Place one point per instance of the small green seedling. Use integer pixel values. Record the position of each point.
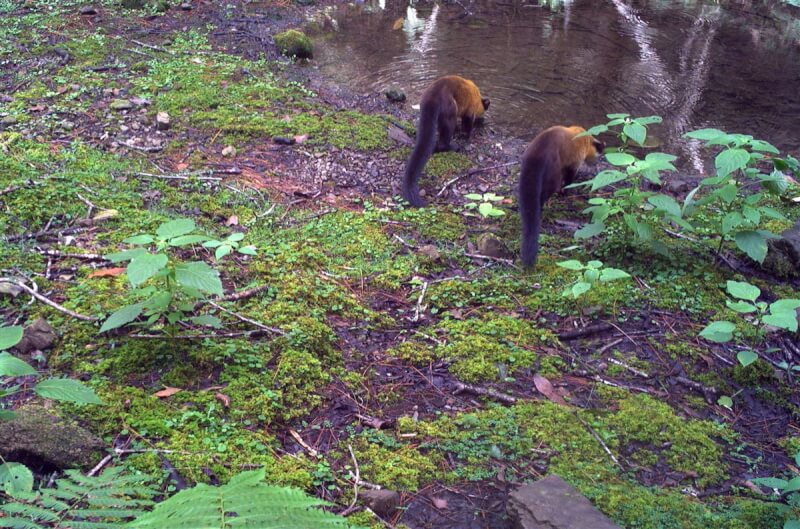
(485, 204)
(588, 275)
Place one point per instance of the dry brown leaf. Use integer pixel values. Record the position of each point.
(166, 392)
(233, 220)
(223, 398)
(398, 24)
(439, 503)
(37, 108)
(181, 166)
(107, 272)
(301, 138)
(546, 388)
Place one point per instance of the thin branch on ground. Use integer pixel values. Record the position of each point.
(609, 345)
(190, 176)
(87, 256)
(352, 506)
(45, 300)
(418, 308)
(245, 319)
(584, 331)
(472, 172)
(507, 262)
(599, 440)
(244, 294)
(486, 392)
(626, 366)
(310, 449)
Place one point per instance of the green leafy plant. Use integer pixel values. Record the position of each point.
(106, 501)
(246, 501)
(62, 389)
(640, 209)
(176, 285)
(786, 490)
(737, 166)
(485, 204)
(781, 313)
(229, 244)
(589, 274)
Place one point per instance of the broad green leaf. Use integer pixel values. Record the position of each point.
(66, 390)
(222, 251)
(15, 478)
(618, 115)
(776, 183)
(782, 320)
(792, 524)
(591, 275)
(689, 202)
(718, 331)
(731, 221)
(797, 459)
(742, 290)
(772, 213)
(704, 134)
(763, 146)
(635, 131)
(753, 243)
(11, 366)
(175, 228)
(605, 178)
(594, 131)
(139, 239)
(474, 196)
(666, 203)
(752, 214)
(595, 264)
(185, 240)
(199, 275)
(792, 486)
(125, 315)
(590, 230)
(648, 120)
(612, 274)
(571, 264)
(742, 307)
(238, 236)
(727, 192)
(212, 244)
(731, 160)
(10, 336)
(746, 357)
(784, 305)
(145, 266)
(159, 301)
(620, 158)
(497, 212)
(126, 255)
(772, 483)
(725, 401)
(485, 208)
(247, 250)
(580, 288)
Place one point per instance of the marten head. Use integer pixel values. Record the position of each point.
(485, 102)
(597, 148)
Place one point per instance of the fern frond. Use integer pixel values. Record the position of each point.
(246, 501)
(79, 502)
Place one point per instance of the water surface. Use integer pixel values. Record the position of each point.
(730, 65)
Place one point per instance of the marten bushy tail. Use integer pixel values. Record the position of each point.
(531, 182)
(423, 150)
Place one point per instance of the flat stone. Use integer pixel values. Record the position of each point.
(162, 121)
(430, 251)
(120, 104)
(39, 439)
(87, 10)
(492, 246)
(229, 151)
(39, 335)
(395, 95)
(552, 503)
(383, 502)
(783, 256)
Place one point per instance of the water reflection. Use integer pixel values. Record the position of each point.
(701, 63)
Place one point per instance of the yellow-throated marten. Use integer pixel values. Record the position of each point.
(447, 99)
(550, 162)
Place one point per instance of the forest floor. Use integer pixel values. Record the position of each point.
(402, 353)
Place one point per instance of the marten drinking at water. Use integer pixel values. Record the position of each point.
(550, 162)
(447, 99)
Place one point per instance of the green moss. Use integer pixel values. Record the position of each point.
(294, 43)
(300, 376)
(552, 366)
(445, 165)
(399, 468)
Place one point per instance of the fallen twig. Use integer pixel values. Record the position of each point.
(599, 440)
(311, 451)
(197, 176)
(486, 392)
(45, 300)
(626, 366)
(244, 294)
(251, 321)
(87, 256)
(470, 173)
(152, 47)
(418, 308)
(602, 380)
(584, 331)
(608, 346)
(352, 506)
(507, 262)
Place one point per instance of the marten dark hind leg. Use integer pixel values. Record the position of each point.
(568, 176)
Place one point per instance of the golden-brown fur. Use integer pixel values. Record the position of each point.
(550, 162)
(446, 100)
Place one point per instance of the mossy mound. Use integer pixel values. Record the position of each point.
(294, 43)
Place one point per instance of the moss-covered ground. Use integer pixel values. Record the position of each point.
(376, 336)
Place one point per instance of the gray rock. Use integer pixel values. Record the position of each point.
(430, 251)
(162, 121)
(552, 503)
(491, 245)
(783, 257)
(39, 335)
(383, 502)
(36, 437)
(120, 104)
(87, 10)
(395, 95)
(7, 121)
(186, 6)
(229, 151)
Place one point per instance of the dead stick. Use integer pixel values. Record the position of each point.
(470, 173)
(352, 506)
(599, 440)
(47, 301)
(244, 294)
(585, 331)
(486, 392)
(418, 308)
(248, 320)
